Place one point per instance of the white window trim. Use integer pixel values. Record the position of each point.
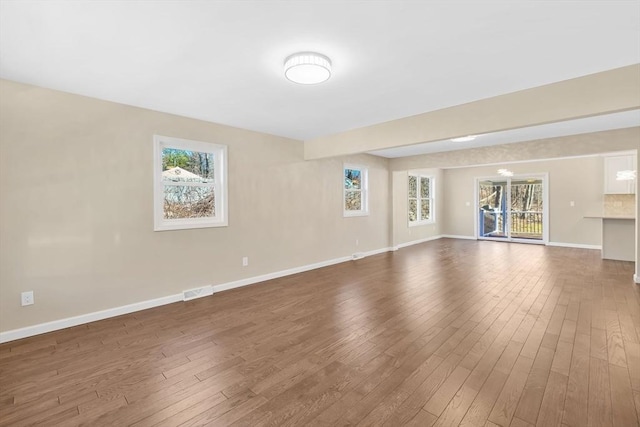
(364, 173)
(432, 199)
(220, 184)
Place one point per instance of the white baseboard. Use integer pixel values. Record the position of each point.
(574, 245)
(636, 278)
(453, 236)
(559, 244)
(144, 305)
(277, 274)
(295, 270)
(415, 242)
(378, 251)
(428, 239)
(55, 325)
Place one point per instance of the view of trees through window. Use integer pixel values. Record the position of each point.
(420, 198)
(525, 210)
(353, 189)
(188, 180)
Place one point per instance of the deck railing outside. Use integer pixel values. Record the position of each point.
(524, 224)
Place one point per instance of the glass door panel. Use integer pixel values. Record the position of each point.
(526, 209)
(492, 205)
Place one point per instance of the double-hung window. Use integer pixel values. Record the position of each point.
(190, 180)
(355, 190)
(421, 199)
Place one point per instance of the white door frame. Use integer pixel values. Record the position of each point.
(545, 207)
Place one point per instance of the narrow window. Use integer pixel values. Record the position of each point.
(355, 190)
(421, 199)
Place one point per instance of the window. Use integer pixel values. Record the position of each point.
(355, 191)
(190, 184)
(421, 200)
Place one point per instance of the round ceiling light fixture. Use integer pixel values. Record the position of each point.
(307, 68)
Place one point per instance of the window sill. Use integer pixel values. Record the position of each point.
(187, 225)
(419, 223)
(355, 213)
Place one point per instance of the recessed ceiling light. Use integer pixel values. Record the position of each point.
(307, 68)
(465, 138)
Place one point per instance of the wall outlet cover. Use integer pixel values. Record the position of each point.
(27, 298)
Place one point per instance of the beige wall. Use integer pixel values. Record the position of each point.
(637, 275)
(76, 215)
(579, 180)
(402, 233)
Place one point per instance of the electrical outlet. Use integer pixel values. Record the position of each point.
(27, 298)
(245, 261)
(467, 204)
(572, 203)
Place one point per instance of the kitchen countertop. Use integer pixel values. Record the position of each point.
(610, 217)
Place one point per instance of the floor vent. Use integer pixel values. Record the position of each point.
(205, 291)
(358, 255)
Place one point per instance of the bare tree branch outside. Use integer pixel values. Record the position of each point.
(188, 178)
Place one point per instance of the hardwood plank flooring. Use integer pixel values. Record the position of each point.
(445, 333)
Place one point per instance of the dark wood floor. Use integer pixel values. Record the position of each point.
(445, 333)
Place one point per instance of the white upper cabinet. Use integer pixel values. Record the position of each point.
(613, 166)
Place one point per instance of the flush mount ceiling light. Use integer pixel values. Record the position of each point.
(465, 138)
(307, 68)
(505, 172)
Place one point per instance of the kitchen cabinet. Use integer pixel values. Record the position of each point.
(613, 165)
(618, 240)
(618, 237)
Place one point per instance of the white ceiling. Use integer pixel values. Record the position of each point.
(221, 61)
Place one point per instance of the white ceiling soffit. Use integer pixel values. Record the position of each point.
(222, 61)
(622, 120)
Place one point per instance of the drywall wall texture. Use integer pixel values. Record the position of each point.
(76, 216)
(578, 180)
(402, 232)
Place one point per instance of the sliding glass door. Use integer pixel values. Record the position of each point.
(512, 209)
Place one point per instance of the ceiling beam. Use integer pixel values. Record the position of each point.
(595, 94)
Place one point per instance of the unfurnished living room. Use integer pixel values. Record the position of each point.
(319, 213)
